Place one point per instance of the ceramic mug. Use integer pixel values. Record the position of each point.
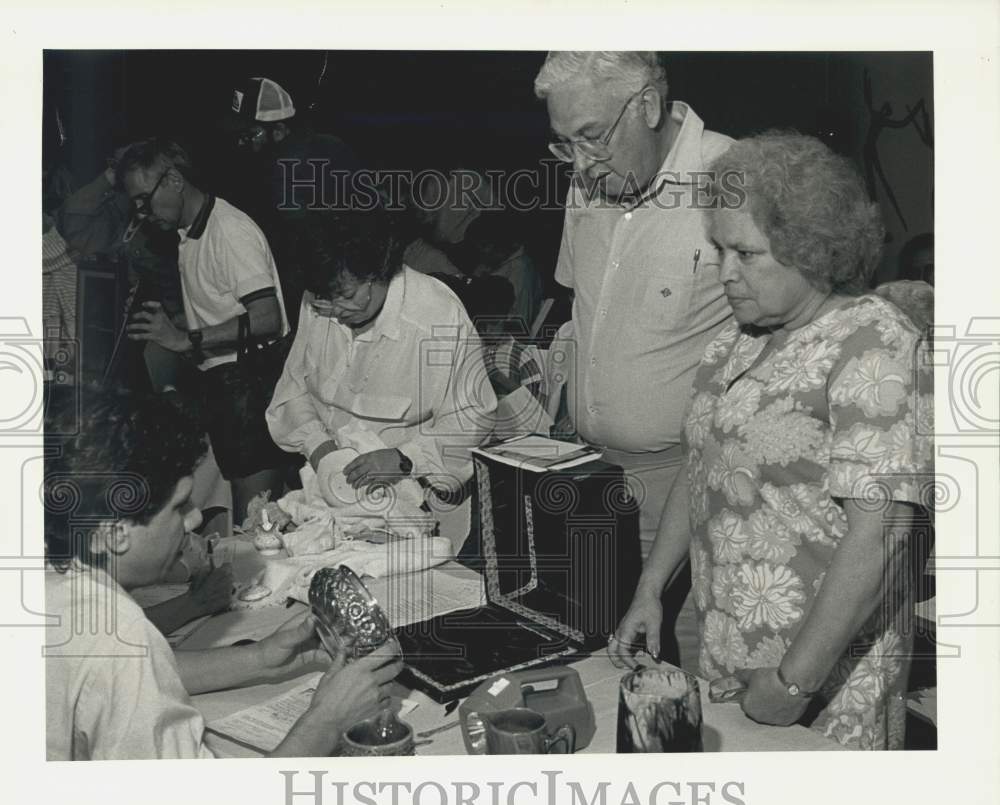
(521, 731)
(382, 736)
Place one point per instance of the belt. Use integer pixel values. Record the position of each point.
(670, 455)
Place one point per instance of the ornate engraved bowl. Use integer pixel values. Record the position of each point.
(349, 619)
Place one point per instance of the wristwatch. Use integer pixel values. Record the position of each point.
(793, 689)
(405, 465)
(194, 338)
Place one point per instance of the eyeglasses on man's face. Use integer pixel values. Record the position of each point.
(253, 136)
(142, 203)
(595, 148)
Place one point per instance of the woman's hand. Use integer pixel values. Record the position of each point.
(213, 592)
(378, 466)
(351, 693)
(767, 700)
(153, 324)
(292, 645)
(644, 616)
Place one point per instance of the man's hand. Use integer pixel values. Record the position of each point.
(153, 324)
(344, 696)
(213, 591)
(378, 466)
(767, 701)
(294, 644)
(644, 616)
(351, 693)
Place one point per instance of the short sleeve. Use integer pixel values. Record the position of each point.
(244, 258)
(881, 413)
(564, 263)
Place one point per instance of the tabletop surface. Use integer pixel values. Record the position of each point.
(725, 727)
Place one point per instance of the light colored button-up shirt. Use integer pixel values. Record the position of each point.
(112, 688)
(416, 379)
(647, 298)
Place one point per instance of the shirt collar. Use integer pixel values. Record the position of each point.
(197, 228)
(684, 159)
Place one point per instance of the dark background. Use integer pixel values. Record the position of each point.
(414, 110)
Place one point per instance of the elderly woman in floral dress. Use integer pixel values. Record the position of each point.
(809, 453)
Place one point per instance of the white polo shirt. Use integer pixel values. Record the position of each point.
(647, 299)
(221, 260)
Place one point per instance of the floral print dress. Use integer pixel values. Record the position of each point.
(835, 412)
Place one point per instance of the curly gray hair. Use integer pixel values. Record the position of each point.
(810, 203)
(627, 71)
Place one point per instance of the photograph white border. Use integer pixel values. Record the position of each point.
(964, 38)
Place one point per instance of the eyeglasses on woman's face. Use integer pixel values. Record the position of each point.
(348, 300)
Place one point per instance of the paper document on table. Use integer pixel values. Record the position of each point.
(415, 597)
(238, 624)
(265, 725)
(539, 453)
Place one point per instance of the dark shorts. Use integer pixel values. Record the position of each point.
(234, 418)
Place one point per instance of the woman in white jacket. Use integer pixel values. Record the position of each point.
(384, 349)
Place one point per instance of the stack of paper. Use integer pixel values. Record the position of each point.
(540, 453)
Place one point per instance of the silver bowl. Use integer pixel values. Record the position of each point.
(349, 619)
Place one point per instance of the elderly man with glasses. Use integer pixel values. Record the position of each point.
(229, 284)
(646, 293)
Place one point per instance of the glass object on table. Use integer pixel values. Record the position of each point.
(659, 710)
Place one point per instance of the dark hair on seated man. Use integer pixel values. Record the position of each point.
(111, 455)
(119, 486)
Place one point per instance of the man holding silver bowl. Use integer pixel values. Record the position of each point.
(121, 692)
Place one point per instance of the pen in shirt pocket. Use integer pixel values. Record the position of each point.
(697, 257)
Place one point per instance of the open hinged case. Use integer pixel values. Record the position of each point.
(562, 559)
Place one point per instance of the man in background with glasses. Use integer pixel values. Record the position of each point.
(646, 293)
(227, 275)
